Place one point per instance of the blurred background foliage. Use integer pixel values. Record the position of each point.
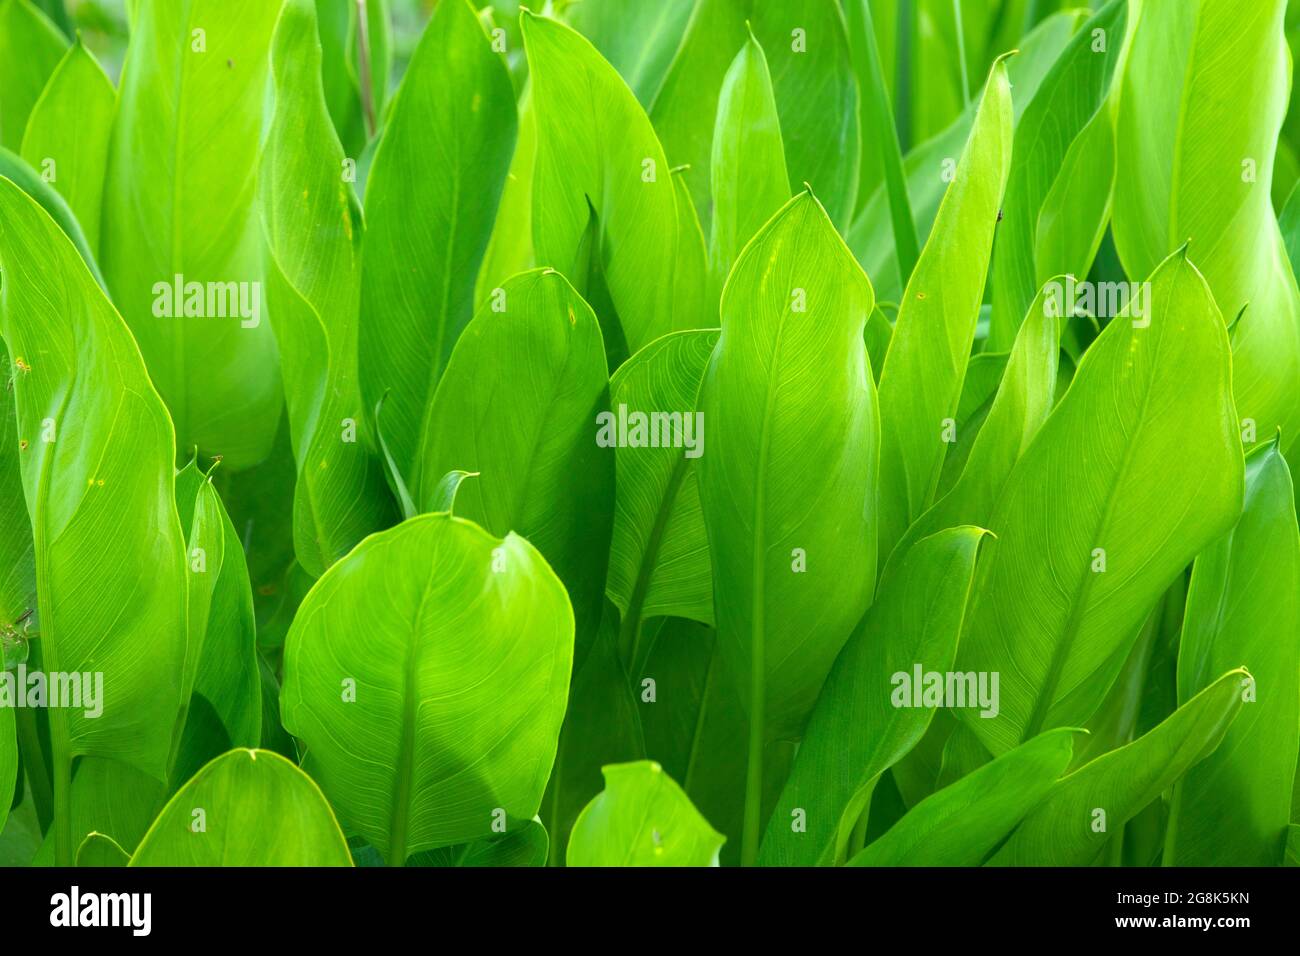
(928, 92)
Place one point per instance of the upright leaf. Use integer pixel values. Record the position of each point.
(793, 549)
(862, 725)
(257, 809)
(1025, 395)
(1145, 450)
(68, 131)
(687, 102)
(807, 45)
(225, 708)
(659, 555)
(96, 449)
(181, 248)
(962, 823)
(1075, 822)
(748, 168)
(871, 236)
(637, 38)
(1073, 93)
(642, 818)
(426, 675)
(603, 199)
(428, 224)
(30, 50)
(922, 378)
(1243, 607)
(1197, 131)
(519, 405)
(313, 233)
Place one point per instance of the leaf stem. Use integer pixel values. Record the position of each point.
(961, 52)
(754, 767)
(363, 68)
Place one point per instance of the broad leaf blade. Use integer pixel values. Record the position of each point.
(1144, 448)
(427, 675)
(255, 809)
(30, 49)
(750, 183)
(642, 818)
(1071, 95)
(427, 225)
(807, 46)
(68, 132)
(97, 452)
(922, 378)
(1243, 607)
(793, 550)
(519, 404)
(599, 164)
(1196, 133)
(858, 729)
(659, 555)
(181, 247)
(313, 235)
(1076, 821)
(961, 824)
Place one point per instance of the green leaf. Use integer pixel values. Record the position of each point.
(444, 494)
(1075, 213)
(313, 232)
(642, 818)
(1196, 133)
(8, 761)
(871, 236)
(1025, 395)
(221, 665)
(427, 225)
(180, 243)
(246, 808)
(793, 549)
(961, 824)
(659, 555)
(68, 132)
(101, 850)
(637, 38)
(750, 183)
(876, 118)
(601, 726)
(687, 103)
(13, 168)
(520, 846)
(858, 731)
(922, 378)
(1074, 823)
(427, 675)
(30, 50)
(510, 248)
(519, 404)
(107, 797)
(1071, 96)
(338, 24)
(97, 452)
(599, 164)
(1146, 429)
(807, 46)
(17, 563)
(1243, 607)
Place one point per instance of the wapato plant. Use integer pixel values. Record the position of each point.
(780, 432)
